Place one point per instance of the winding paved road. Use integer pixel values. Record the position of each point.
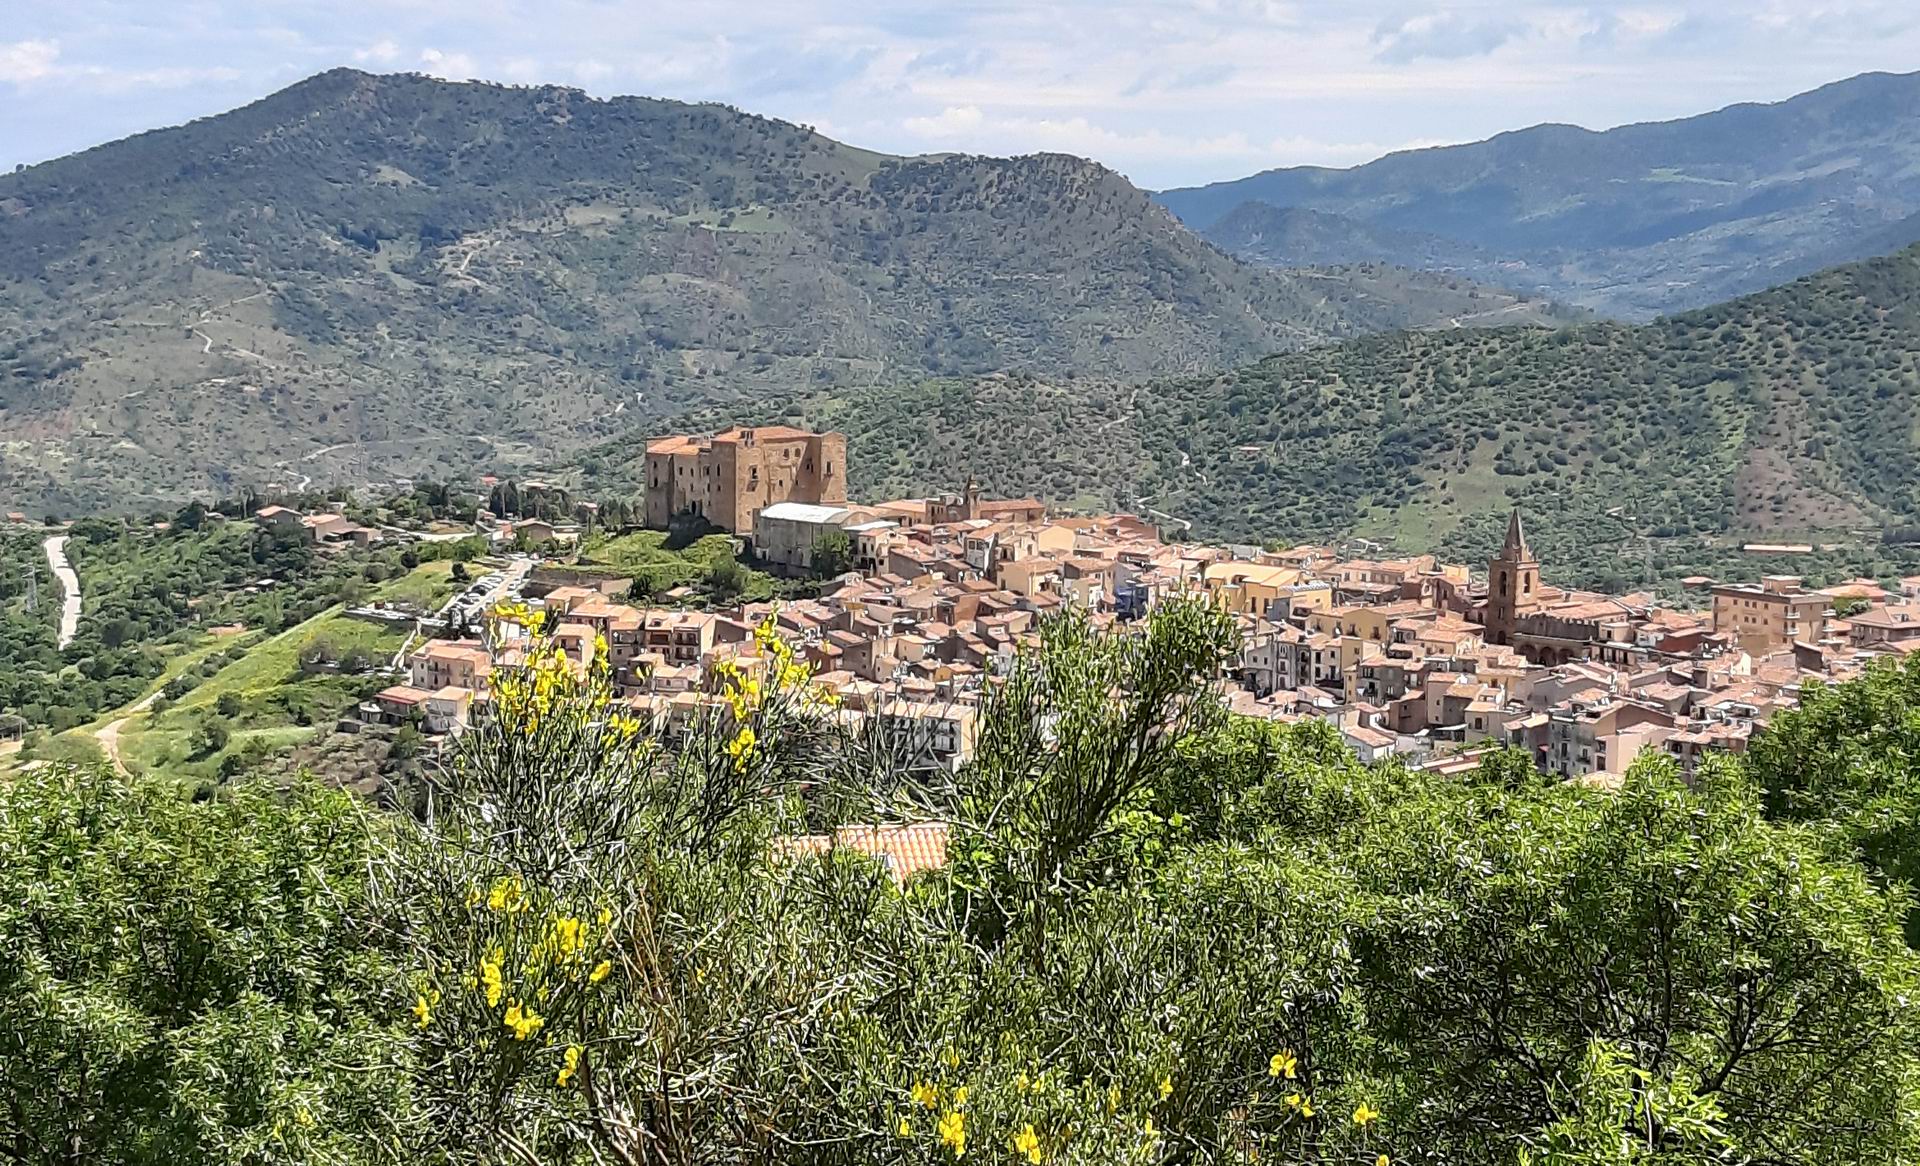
(56, 546)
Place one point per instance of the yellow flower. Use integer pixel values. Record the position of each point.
(960, 1097)
(522, 1021)
(508, 893)
(1382, 1160)
(1148, 1128)
(570, 1064)
(490, 976)
(1027, 1143)
(302, 1116)
(600, 971)
(905, 1128)
(423, 1009)
(1293, 1101)
(951, 1058)
(925, 1094)
(741, 747)
(604, 917)
(1363, 1116)
(1283, 1064)
(953, 1132)
(1306, 1107)
(568, 936)
(1166, 1087)
(1021, 1082)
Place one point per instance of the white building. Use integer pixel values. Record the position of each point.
(785, 534)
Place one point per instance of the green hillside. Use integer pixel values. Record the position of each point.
(1789, 412)
(363, 276)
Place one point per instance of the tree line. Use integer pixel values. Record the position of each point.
(1162, 934)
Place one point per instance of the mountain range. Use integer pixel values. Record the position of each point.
(363, 276)
(1630, 222)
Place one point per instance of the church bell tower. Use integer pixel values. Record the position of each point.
(1513, 584)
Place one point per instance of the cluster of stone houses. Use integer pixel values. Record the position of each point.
(326, 526)
(1412, 657)
(1430, 661)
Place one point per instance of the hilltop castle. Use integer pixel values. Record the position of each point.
(730, 477)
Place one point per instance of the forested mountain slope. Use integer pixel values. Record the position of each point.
(1794, 410)
(365, 275)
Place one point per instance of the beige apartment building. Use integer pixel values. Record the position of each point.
(730, 477)
(442, 664)
(1774, 615)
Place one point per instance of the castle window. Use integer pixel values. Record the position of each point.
(1503, 584)
(1526, 584)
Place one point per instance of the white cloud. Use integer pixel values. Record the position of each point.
(28, 60)
(448, 66)
(179, 77)
(951, 122)
(1443, 36)
(380, 52)
(523, 71)
(1169, 91)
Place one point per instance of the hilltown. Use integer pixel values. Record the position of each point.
(1431, 662)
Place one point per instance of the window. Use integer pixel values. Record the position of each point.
(1503, 584)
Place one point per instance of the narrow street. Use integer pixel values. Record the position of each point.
(56, 547)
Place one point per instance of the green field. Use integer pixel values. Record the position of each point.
(262, 698)
(426, 587)
(643, 556)
(252, 685)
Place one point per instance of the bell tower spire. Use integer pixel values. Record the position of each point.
(1515, 548)
(1513, 584)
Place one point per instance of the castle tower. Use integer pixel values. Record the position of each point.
(973, 497)
(1513, 584)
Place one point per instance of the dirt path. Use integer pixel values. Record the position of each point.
(56, 547)
(109, 734)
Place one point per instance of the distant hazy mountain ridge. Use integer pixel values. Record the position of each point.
(1633, 221)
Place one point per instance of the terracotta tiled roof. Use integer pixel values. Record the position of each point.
(905, 849)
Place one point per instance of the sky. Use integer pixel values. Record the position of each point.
(1169, 92)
